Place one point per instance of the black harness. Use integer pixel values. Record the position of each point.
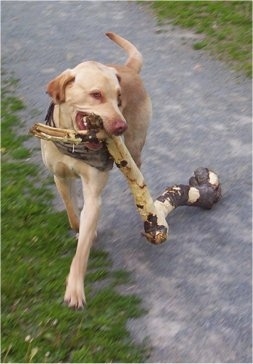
(100, 159)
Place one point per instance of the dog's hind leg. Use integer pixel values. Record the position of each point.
(67, 190)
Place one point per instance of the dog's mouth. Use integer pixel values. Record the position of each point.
(83, 124)
(81, 120)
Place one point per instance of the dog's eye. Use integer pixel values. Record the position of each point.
(119, 101)
(96, 95)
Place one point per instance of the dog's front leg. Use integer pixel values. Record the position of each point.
(74, 295)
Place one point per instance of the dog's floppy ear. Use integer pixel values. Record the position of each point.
(118, 77)
(56, 87)
(116, 73)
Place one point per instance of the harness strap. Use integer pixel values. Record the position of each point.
(99, 159)
(49, 119)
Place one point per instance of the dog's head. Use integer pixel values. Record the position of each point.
(88, 88)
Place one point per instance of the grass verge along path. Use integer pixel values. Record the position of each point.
(226, 26)
(36, 255)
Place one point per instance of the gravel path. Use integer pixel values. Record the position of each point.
(197, 286)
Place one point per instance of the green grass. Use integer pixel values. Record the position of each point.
(36, 253)
(226, 26)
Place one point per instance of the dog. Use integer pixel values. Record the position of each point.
(117, 94)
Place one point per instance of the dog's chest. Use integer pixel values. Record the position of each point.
(100, 159)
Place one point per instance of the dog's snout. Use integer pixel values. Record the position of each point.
(118, 127)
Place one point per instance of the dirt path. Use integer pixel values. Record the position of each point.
(197, 286)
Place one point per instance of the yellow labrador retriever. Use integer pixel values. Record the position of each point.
(117, 94)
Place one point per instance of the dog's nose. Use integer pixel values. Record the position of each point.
(118, 127)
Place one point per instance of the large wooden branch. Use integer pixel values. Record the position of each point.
(203, 190)
(94, 131)
(155, 225)
(50, 133)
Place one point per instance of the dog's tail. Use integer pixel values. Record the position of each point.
(135, 59)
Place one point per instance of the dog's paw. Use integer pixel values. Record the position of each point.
(74, 295)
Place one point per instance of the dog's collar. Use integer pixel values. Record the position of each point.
(100, 159)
